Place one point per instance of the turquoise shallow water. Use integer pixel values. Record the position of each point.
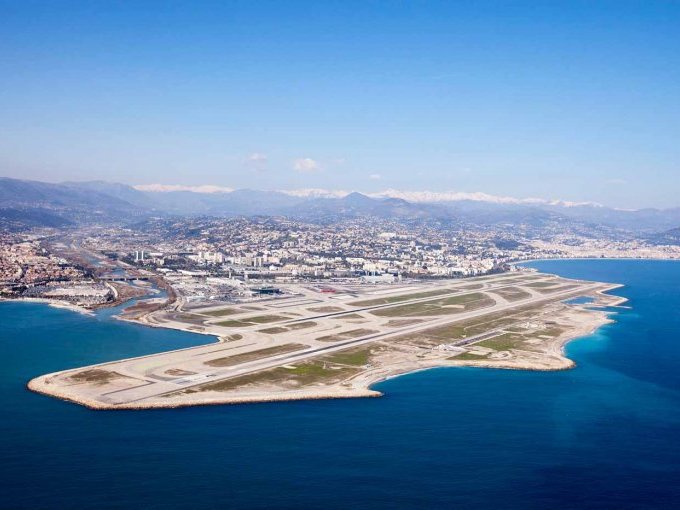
(604, 435)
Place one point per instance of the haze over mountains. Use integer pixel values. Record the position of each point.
(31, 203)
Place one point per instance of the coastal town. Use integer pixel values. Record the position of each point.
(225, 259)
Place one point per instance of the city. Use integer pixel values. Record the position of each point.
(212, 259)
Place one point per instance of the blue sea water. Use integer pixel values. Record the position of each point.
(604, 435)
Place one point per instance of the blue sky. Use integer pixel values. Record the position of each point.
(572, 100)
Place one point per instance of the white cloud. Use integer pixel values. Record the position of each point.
(375, 177)
(410, 196)
(435, 196)
(617, 182)
(257, 156)
(256, 161)
(166, 188)
(316, 193)
(455, 196)
(306, 165)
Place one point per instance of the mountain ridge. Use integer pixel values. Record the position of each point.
(101, 201)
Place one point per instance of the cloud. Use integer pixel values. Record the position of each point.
(436, 196)
(316, 193)
(375, 177)
(306, 165)
(166, 188)
(411, 196)
(257, 156)
(617, 182)
(256, 160)
(455, 196)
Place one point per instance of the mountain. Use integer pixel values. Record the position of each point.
(671, 236)
(32, 203)
(637, 220)
(356, 205)
(19, 218)
(242, 202)
(490, 213)
(123, 192)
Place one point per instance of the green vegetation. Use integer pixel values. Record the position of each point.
(318, 371)
(315, 372)
(346, 335)
(177, 372)
(273, 331)
(400, 323)
(307, 373)
(468, 356)
(541, 285)
(503, 342)
(253, 355)
(190, 318)
(512, 293)
(471, 327)
(509, 340)
(559, 288)
(326, 309)
(234, 324)
(357, 357)
(488, 323)
(290, 327)
(221, 312)
(402, 297)
(349, 316)
(96, 376)
(443, 306)
(540, 334)
(301, 325)
(251, 321)
(264, 319)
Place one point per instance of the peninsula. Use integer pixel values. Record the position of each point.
(336, 340)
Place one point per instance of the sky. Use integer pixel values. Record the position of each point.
(573, 100)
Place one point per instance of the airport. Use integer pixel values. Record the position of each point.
(308, 341)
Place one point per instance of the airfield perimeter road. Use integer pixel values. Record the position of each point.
(159, 388)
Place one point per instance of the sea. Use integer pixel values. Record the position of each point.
(605, 435)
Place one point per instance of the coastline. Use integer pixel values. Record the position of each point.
(359, 386)
(54, 303)
(543, 353)
(120, 298)
(641, 259)
(39, 387)
(39, 384)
